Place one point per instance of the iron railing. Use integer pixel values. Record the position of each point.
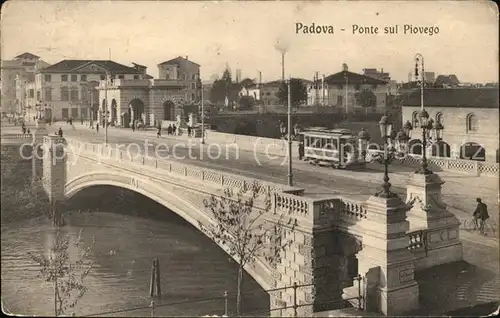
(153, 306)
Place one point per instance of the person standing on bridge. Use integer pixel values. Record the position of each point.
(60, 132)
(133, 125)
(174, 129)
(97, 127)
(169, 130)
(301, 150)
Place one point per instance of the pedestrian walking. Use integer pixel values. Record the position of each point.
(189, 131)
(169, 130)
(480, 215)
(158, 134)
(97, 127)
(81, 120)
(174, 129)
(60, 132)
(301, 150)
(133, 126)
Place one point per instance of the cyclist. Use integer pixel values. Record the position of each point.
(481, 215)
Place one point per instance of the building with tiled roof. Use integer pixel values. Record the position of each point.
(186, 72)
(342, 89)
(63, 91)
(469, 117)
(14, 74)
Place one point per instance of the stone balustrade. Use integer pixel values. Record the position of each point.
(278, 147)
(224, 180)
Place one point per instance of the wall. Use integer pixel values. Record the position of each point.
(455, 130)
(334, 92)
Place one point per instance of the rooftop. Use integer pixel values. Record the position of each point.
(89, 66)
(27, 55)
(484, 97)
(351, 78)
(177, 60)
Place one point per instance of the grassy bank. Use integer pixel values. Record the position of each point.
(20, 197)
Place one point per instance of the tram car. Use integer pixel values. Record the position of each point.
(337, 148)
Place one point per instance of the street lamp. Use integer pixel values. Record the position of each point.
(431, 133)
(390, 153)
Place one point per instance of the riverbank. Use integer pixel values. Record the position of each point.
(21, 198)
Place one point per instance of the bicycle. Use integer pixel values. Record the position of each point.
(470, 225)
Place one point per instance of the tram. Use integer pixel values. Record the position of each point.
(338, 148)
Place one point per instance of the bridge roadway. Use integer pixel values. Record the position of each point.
(318, 181)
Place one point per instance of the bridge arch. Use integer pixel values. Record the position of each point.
(183, 208)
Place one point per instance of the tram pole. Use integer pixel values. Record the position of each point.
(290, 176)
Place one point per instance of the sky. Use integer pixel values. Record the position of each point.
(245, 35)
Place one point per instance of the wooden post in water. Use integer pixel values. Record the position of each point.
(153, 279)
(158, 278)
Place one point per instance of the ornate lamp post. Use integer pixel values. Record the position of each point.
(431, 133)
(390, 152)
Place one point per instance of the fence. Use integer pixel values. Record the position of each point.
(154, 309)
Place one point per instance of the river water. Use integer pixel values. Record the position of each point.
(127, 237)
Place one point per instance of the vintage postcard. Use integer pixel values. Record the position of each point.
(249, 158)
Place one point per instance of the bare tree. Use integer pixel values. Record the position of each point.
(67, 273)
(247, 230)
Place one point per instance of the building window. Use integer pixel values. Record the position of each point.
(103, 77)
(64, 78)
(38, 95)
(84, 94)
(414, 120)
(32, 93)
(83, 78)
(193, 77)
(193, 97)
(339, 100)
(136, 77)
(48, 95)
(48, 77)
(74, 94)
(64, 113)
(192, 86)
(439, 118)
(64, 94)
(74, 112)
(167, 77)
(121, 76)
(74, 78)
(471, 122)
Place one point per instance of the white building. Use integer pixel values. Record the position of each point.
(342, 90)
(67, 89)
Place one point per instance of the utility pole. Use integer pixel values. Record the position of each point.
(202, 118)
(106, 110)
(290, 176)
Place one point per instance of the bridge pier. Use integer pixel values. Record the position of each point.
(54, 168)
(430, 213)
(385, 263)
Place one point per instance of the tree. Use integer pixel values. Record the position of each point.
(67, 274)
(366, 99)
(246, 102)
(299, 92)
(245, 230)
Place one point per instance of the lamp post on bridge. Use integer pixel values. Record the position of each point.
(391, 152)
(287, 134)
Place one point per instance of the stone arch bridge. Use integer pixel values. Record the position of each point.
(385, 238)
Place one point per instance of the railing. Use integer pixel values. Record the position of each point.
(224, 180)
(418, 240)
(154, 306)
(477, 168)
(19, 136)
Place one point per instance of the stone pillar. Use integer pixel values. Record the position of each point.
(54, 168)
(429, 213)
(312, 260)
(385, 262)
